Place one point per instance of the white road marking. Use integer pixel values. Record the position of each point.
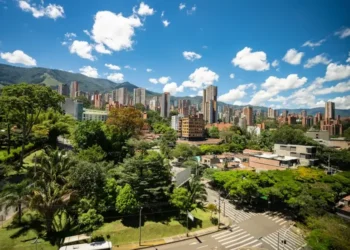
(193, 243)
(241, 242)
(231, 237)
(246, 244)
(283, 223)
(244, 236)
(225, 232)
(202, 247)
(279, 220)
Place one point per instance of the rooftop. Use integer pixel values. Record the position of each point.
(294, 145)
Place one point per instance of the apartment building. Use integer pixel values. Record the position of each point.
(248, 113)
(94, 115)
(139, 96)
(74, 89)
(306, 154)
(191, 127)
(209, 105)
(63, 89)
(165, 105)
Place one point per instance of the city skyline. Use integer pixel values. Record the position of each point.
(301, 62)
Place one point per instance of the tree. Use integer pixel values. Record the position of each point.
(212, 208)
(126, 202)
(167, 140)
(89, 133)
(173, 112)
(126, 120)
(185, 151)
(51, 191)
(90, 220)
(92, 154)
(226, 135)
(15, 195)
(346, 134)
(7, 116)
(213, 132)
(140, 106)
(141, 145)
(27, 103)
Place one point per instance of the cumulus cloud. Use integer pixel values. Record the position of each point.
(182, 6)
(275, 84)
(343, 33)
(200, 78)
(112, 66)
(319, 59)
(248, 60)
(89, 71)
(82, 49)
(149, 70)
(70, 36)
(278, 99)
(275, 63)
(293, 57)
(102, 49)
(261, 96)
(153, 80)
(337, 72)
(145, 10)
(339, 88)
(18, 57)
(232, 76)
(165, 23)
(191, 56)
(164, 79)
(235, 94)
(342, 102)
(315, 44)
(52, 11)
(129, 67)
(114, 30)
(172, 88)
(116, 77)
(348, 60)
(192, 10)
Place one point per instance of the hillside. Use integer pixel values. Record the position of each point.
(53, 77)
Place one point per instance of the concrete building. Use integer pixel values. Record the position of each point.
(242, 123)
(209, 104)
(139, 96)
(191, 128)
(248, 113)
(306, 154)
(94, 115)
(154, 103)
(98, 100)
(329, 113)
(318, 134)
(307, 121)
(184, 107)
(165, 105)
(334, 127)
(271, 113)
(317, 118)
(73, 107)
(265, 162)
(121, 96)
(175, 119)
(303, 113)
(63, 89)
(74, 89)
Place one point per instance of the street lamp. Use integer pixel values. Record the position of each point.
(140, 226)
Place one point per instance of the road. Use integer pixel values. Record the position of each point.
(248, 229)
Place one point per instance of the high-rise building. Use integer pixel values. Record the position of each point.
(165, 105)
(63, 89)
(242, 122)
(285, 113)
(154, 103)
(98, 100)
(139, 96)
(248, 113)
(303, 113)
(209, 104)
(329, 111)
(121, 96)
(74, 89)
(184, 107)
(271, 113)
(191, 127)
(317, 118)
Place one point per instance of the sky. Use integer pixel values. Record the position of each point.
(279, 54)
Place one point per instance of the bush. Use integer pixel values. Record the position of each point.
(15, 153)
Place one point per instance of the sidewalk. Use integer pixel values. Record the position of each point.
(225, 222)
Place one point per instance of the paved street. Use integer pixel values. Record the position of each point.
(248, 229)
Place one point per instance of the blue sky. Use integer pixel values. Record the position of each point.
(272, 53)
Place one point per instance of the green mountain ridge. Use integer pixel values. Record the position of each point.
(52, 77)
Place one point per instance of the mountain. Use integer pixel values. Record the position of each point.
(53, 77)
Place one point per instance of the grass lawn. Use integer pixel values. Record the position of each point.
(120, 234)
(29, 160)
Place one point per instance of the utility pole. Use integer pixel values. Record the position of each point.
(140, 226)
(219, 200)
(187, 222)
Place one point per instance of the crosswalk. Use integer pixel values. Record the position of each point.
(292, 240)
(276, 217)
(235, 238)
(236, 215)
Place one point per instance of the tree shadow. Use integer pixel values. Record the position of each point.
(30, 221)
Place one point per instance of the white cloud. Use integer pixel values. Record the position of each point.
(261, 96)
(164, 79)
(145, 10)
(315, 44)
(165, 23)
(149, 70)
(64, 43)
(172, 88)
(275, 63)
(200, 78)
(339, 88)
(114, 30)
(191, 56)
(87, 33)
(342, 102)
(70, 36)
(348, 60)
(153, 80)
(82, 49)
(235, 94)
(182, 6)
(129, 67)
(200, 93)
(293, 57)
(102, 49)
(192, 10)
(345, 32)
(18, 57)
(232, 76)
(116, 77)
(248, 60)
(161, 15)
(319, 59)
(278, 99)
(112, 66)
(337, 72)
(89, 71)
(275, 84)
(52, 11)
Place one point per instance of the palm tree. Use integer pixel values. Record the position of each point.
(15, 195)
(197, 192)
(51, 191)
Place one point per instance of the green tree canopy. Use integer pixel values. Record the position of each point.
(126, 200)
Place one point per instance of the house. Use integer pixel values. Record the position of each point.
(343, 207)
(306, 154)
